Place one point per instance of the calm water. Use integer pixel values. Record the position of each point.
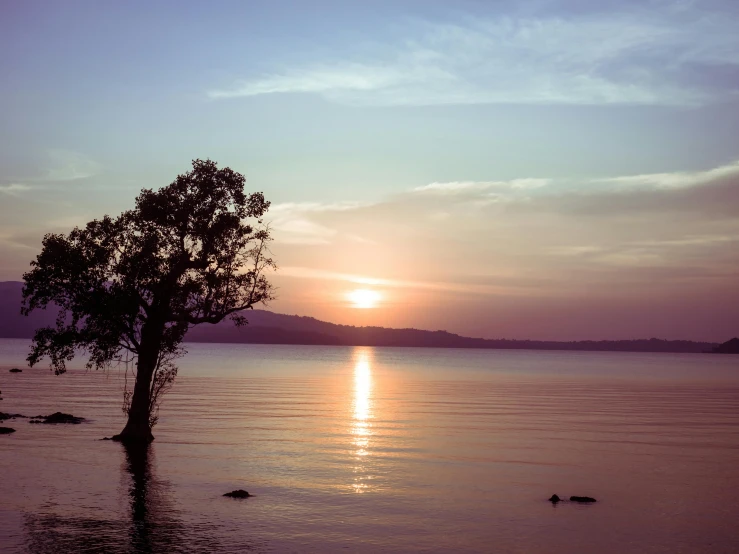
(381, 449)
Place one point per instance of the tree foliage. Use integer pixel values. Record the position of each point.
(130, 287)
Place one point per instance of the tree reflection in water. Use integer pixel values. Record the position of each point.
(154, 526)
(151, 524)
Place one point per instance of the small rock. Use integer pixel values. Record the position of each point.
(238, 494)
(554, 499)
(16, 370)
(581, 499)
(6, 430)
(58, 417)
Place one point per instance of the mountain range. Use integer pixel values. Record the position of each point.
(267, 327)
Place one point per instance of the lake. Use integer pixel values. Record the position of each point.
(380, 450)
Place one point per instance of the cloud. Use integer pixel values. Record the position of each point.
(304, 207)
(21, 242)
(302, 231)
(579, 250)
(656, 54)
(582, 235)
(67, 165)
(13, 189)
(714, 193)
(349, 77)
(359, 239)
(678, 179)
(458, 187)
(692, 240)
(322, 275)
(292, 224)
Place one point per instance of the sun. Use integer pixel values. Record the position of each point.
(364, 298)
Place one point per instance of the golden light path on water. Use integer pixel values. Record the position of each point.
(362, 418)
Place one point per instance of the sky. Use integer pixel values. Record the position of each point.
(554, 170)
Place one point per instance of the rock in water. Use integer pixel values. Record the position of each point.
(581, 499)
(238, 494)
(554, 499)
(58, 417)
(16, 370)
(6, 430)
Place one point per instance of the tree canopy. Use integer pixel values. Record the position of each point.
(193, 252)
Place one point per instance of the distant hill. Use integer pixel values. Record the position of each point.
(271, 328)
(729, 347)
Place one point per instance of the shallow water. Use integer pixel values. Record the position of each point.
(381, 449)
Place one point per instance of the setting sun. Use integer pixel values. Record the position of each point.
(364, 298)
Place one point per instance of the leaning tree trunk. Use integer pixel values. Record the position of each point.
(138, 428)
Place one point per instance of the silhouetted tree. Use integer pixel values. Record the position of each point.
(129, 288)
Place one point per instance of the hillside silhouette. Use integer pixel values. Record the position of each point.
(729, 347)
(267, 327)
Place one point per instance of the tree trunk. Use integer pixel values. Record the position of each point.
(137, 428)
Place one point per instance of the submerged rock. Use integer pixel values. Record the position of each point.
(57, 417)
(554, 499)
(16, 370)
(4, 416)
(6, 430)
(581, 499)
(238, 494)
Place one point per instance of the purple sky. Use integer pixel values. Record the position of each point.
(541, 169)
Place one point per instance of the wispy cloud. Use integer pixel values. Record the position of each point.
(691, 240)
(20, 243)
(292, 223)
(678, 179)
(651, 253)
(486, 289)
(459, 187)
(635, 55)
(578, 250)
(13, 189)
(60, 165)
(349, 77)
(305, 207)
(710, 193)
(67, 165)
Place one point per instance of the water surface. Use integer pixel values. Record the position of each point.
(381, 449)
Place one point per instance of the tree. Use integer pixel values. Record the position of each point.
(128, 289)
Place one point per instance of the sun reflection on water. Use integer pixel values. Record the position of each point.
(362, 418)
